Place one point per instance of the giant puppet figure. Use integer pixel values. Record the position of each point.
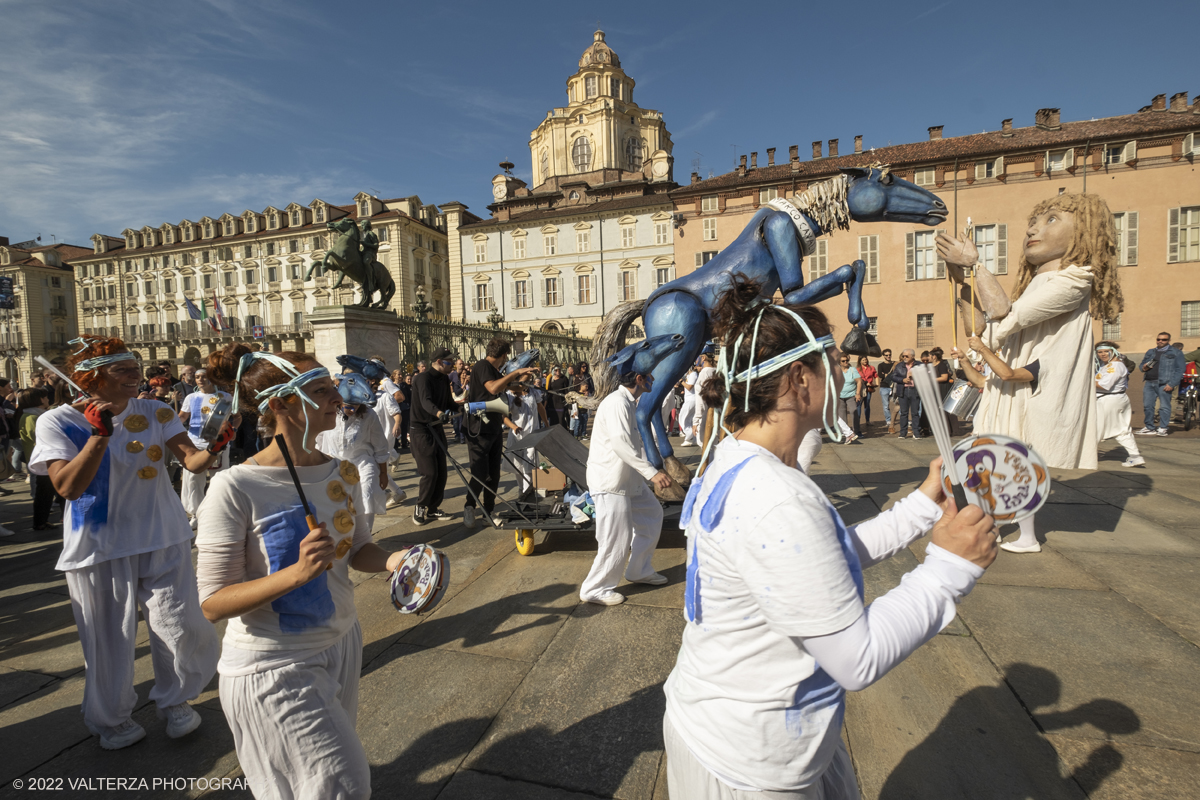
(1067, 277)
(770, 250)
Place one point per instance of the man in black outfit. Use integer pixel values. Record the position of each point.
(431, 400)
(485, 442)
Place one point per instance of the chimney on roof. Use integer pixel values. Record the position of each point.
(754, 159)
(1159, 103)
(833, 148)
(741, 170)
(935, 132)
(1046, 119)
(794, 153)
(1196, 105)
(817, 151)
(695, 177)
(1006, 127)
(770, 156)
(1179, 102)
(858, 143)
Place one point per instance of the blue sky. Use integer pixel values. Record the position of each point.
(116, 114)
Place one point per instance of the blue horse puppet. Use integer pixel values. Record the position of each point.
(642, 357)
(770, 250)
(521, 360)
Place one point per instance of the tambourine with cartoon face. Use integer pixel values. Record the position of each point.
(421, 581)
(1001, 475)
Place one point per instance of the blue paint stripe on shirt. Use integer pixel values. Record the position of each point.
(307, 606)
(91, 507)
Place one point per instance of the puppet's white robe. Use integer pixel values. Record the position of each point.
(1050, 324)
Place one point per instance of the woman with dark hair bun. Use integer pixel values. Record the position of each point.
(126, 541)
(293, 647)
(778, 630)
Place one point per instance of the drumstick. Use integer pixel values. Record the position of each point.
(287, 459)
(931, 401)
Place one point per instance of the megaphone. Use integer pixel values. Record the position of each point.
(496, 406)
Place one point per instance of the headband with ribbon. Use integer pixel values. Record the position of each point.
(280, 390)
(94, 363)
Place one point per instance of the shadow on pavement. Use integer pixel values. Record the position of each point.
(959, 759)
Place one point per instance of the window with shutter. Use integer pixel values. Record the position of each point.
(550, 243)
(910, 257)
(710, 230)
(627, 236)
(818, 263)
(1173, 235)
(585, 289)
(1189, 318)
(1189, 144)
(941, 265)
(583, 241)
(1111, 331)
(985, 244)
(1130, 248)
(708, 202)
(985, 169)
(924, 176)
(1186, 233)
(662, 233)
(767, 195)
(868, 252)
(1129, 152)
(1002, 249)
(518, 248)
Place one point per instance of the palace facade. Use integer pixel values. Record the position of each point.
(595, 229)
(253, 264)
(42, 320)
(1143, 164)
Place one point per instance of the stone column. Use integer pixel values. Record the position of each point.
(338, 330)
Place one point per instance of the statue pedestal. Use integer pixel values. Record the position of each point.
(366, 332)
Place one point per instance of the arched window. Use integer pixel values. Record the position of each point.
(545, 164)
(295, 218)
(581, 153)
(590, 86)
(633, 153)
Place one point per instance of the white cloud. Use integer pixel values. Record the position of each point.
(706, 119)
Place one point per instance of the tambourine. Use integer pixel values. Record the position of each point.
(421, 581)
(216, 419)
(1001, 475)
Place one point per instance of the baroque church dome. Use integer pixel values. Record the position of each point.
(598, 53)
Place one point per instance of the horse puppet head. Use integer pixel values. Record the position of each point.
(874, 194)
(642, 357)
(521, 360)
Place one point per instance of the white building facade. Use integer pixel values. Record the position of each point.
(594, 232)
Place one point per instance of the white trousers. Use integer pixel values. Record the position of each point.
(687, 777)
(293, 726)
(194, 484)
(686, 417)
(627, 531)
(1127, 441)
(183, 644)
(810, 445)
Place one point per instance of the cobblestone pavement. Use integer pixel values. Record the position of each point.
(1068, 674)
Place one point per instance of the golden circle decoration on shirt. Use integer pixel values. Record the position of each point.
(212, 401)
(336, 492)
(147, 473)
(343, 547)
(134, 446)
(204, 409)
(154, 452)
(343, 521)
(349, 472)
(136, 423)
(164, 415)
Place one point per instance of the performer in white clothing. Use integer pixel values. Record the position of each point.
(194, 413)
(777, 626)
(1112, 403)
(707, 370)
(292, 654)
(628, 517)
(687, 414)
(525, 412)
(126, 542)
(358, 438)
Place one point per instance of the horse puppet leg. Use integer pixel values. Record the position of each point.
(849, 277)
(674, 312)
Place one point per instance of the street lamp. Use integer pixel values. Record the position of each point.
(421, 308)
(495, 317)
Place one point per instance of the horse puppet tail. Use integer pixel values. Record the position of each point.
(610, 337)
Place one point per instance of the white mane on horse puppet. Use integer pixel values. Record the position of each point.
(770, 249)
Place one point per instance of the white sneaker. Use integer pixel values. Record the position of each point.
(1161, 432)
(1134, 461)
(181, 720)
(1145, 432)
(654, 579)
(1013, 547)
(193, 522)
(122, 735)
(607, 598)
(396, 499)
(499, 523)
(469, 517)
(5, 532)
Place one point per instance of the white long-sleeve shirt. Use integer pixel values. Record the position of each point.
(617, 458)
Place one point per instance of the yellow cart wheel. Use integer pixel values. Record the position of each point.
(525, 541)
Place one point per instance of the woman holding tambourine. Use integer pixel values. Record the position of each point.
(293, 648)
(126, 541)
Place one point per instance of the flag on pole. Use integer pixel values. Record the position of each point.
(209, 321)
(219, 323)
(194, 312)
